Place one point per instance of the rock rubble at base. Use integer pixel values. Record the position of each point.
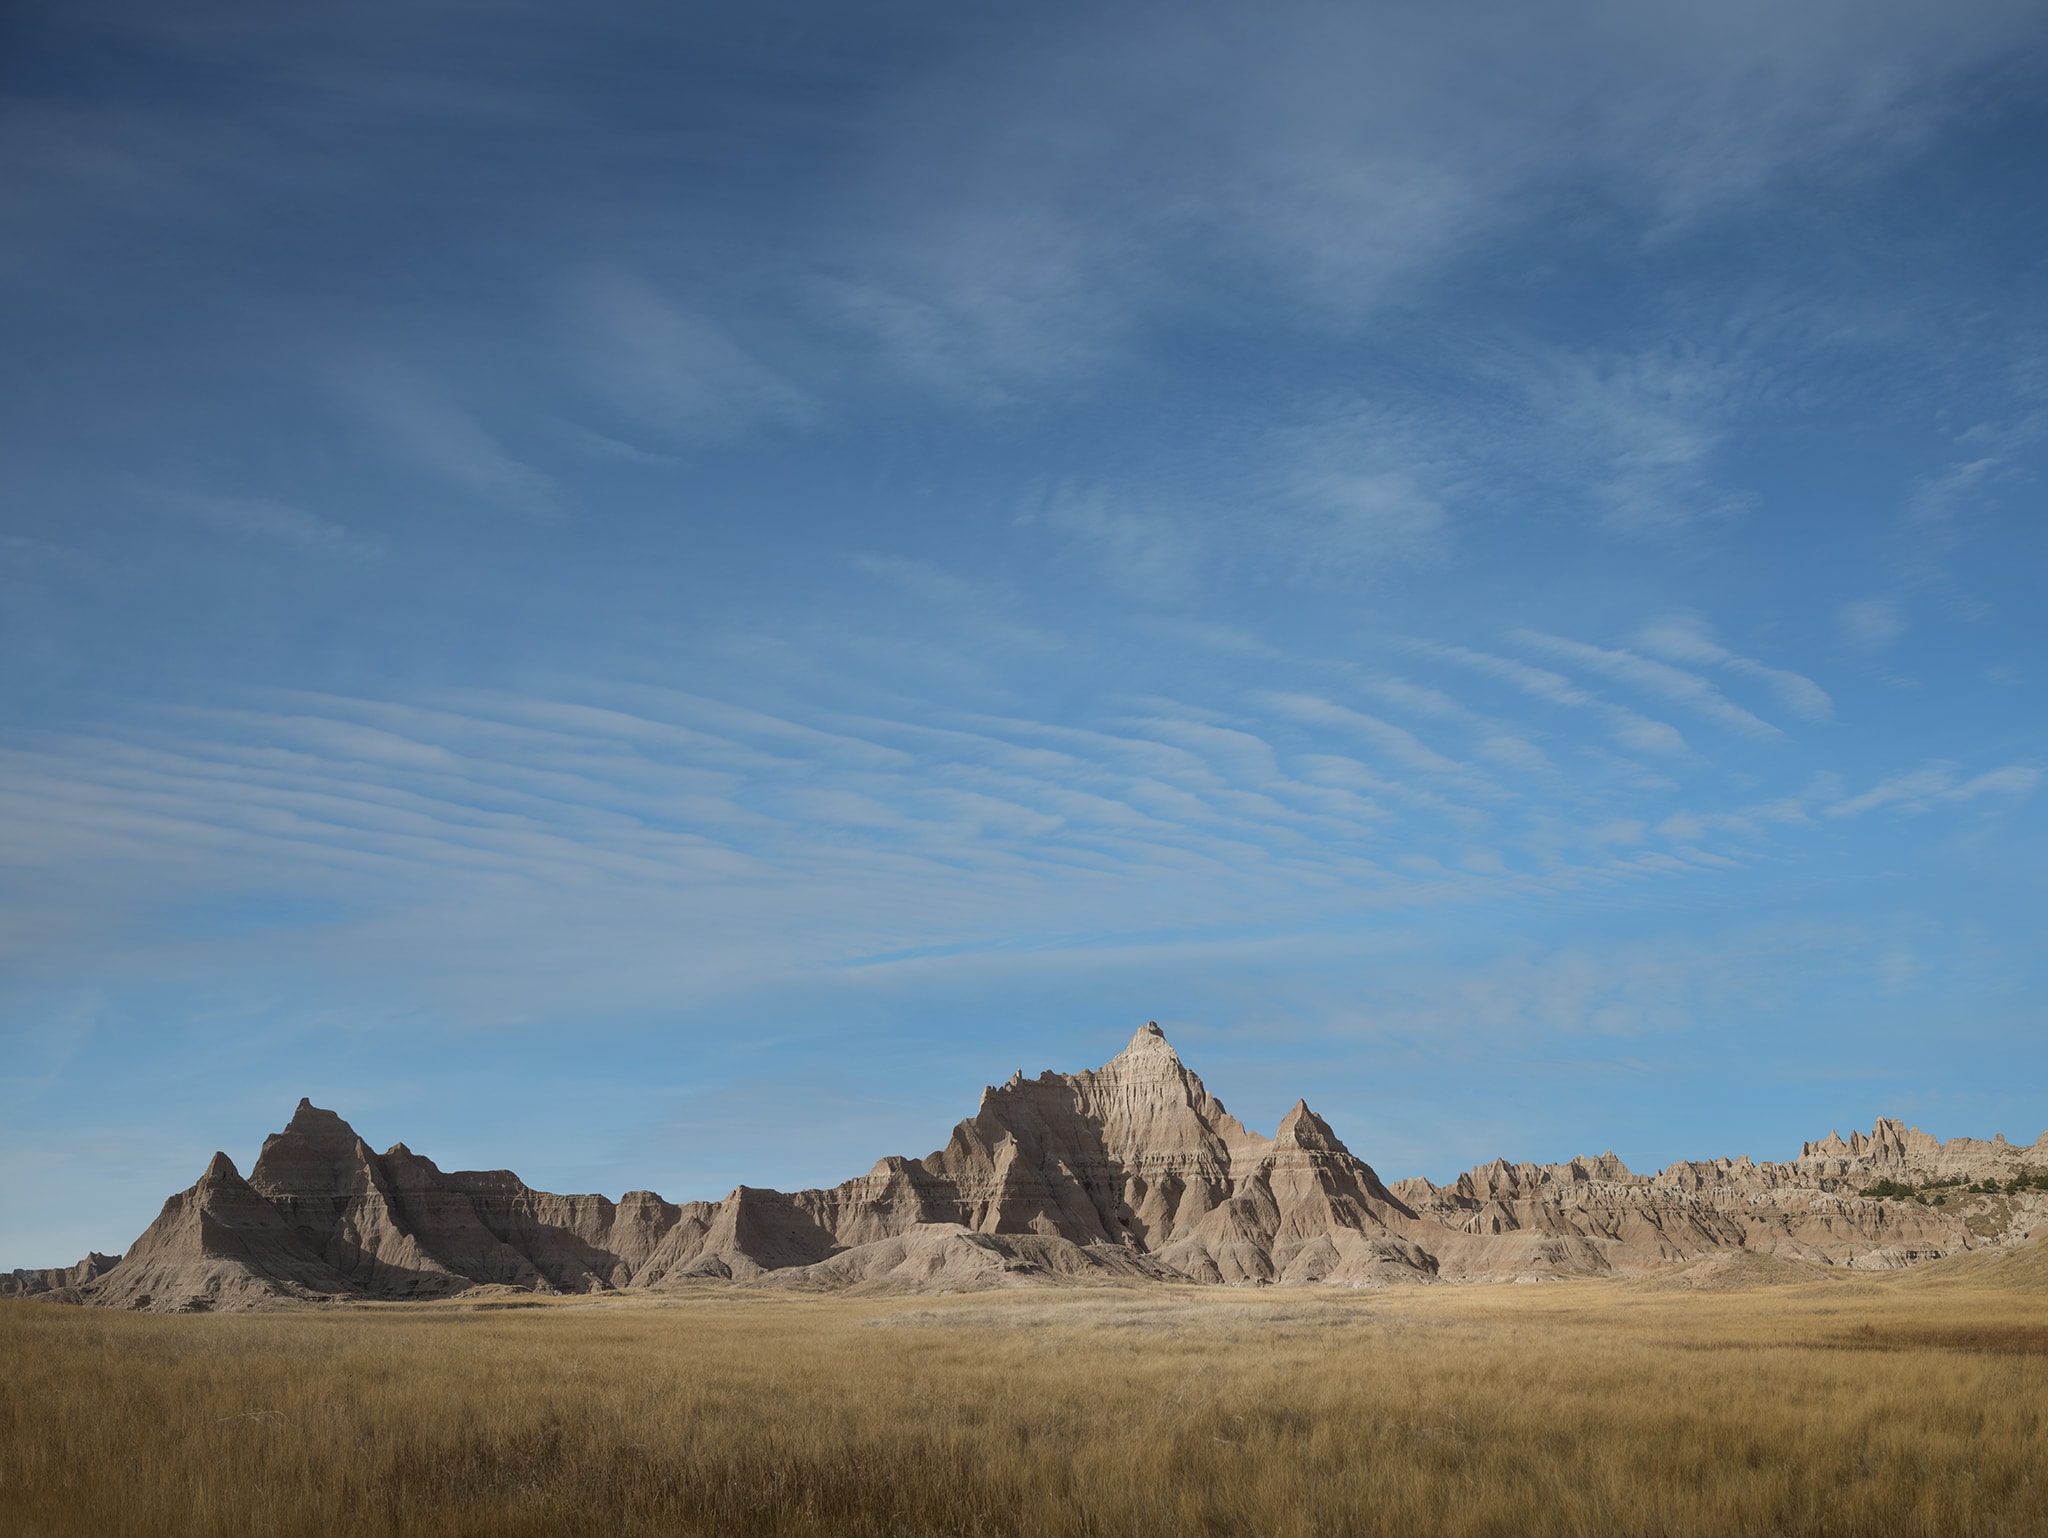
(1131, 1172)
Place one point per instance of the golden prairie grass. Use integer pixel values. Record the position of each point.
(1857, 1408)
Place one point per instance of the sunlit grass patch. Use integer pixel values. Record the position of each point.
(1860, 1407)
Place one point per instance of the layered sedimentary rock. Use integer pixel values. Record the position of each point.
(61, 1282)
(218, 1245)
(1593, 1216)
(1132, 1172)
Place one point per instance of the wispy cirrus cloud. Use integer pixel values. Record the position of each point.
(1399, 745)
(989, 611)
(1923, 789)
(417, 422)
(688, 810)
(1685, 638)
(1139, 547)
(267, 519)
(1658, 678)
(1343, 158)
(1637, 433)
(843, 824)
(1871, 624)
(669, 367)
(1637, 732)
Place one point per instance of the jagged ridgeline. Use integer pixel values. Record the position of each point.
(1131, 1172)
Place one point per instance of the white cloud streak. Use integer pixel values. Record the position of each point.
(1922, 790)
(827, 836)
(1341, 155)
(1638, 733)
(1657, 678)
(1684, 638)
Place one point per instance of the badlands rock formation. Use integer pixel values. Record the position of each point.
(60, 1283)
(1133, 1171)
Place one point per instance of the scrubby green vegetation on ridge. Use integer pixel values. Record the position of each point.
(1894, 1190)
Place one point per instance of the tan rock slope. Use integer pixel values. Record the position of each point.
(60, 1283)
(1132, 1172)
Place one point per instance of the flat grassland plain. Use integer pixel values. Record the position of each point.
(1913, 1403)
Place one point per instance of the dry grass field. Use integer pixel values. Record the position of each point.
(1915, 1404)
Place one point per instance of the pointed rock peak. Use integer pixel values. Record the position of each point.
(310, 1154)
(1009, 1086)
(1149, 1042)
(310, 1121)
(220, 1167)
(1302, 1128)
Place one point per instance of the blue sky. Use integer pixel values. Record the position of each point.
(656, 594)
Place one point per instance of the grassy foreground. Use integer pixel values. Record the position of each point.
(1896, 1406)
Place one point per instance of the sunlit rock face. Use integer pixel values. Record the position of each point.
(1128, 1173)
(1135, 1152)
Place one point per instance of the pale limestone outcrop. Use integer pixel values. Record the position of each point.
(1127, 1173)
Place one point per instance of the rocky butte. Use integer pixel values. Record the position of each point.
(1131, 1172)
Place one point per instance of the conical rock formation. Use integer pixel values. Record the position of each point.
(218, 1245)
